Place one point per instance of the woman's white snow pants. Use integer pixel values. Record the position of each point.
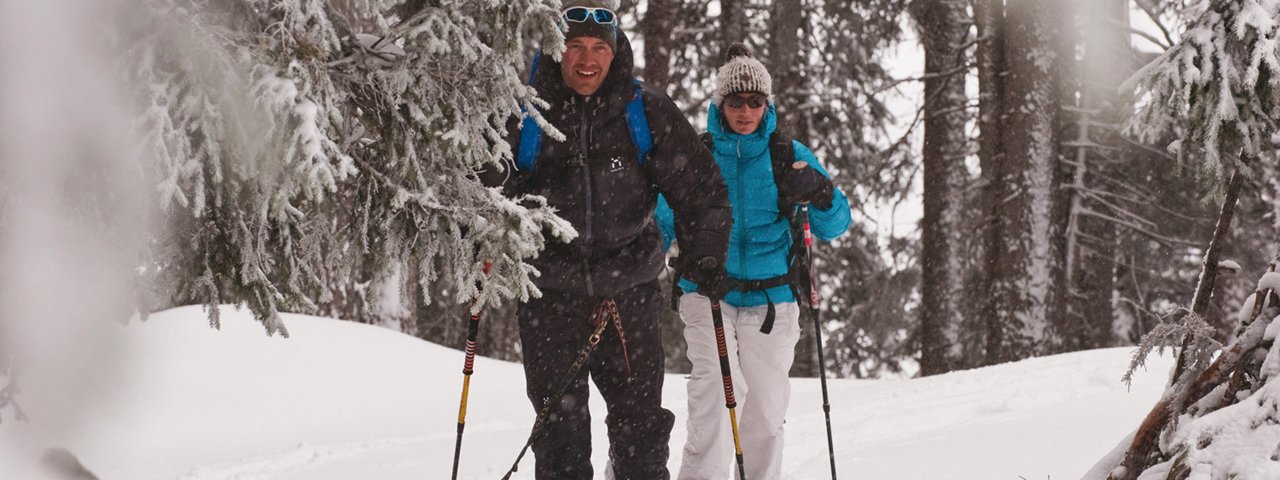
(760, 364)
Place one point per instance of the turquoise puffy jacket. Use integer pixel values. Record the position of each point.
(760, 239)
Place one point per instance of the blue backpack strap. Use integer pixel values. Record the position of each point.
(639, 125)
(530, 142)
(530, 133)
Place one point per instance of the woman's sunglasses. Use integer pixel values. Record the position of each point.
(601, 16)
(754, 101)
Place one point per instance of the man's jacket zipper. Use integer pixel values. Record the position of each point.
(588, 236)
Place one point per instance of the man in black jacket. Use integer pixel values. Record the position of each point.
(596, 180)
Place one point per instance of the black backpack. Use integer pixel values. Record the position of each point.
(781, 154)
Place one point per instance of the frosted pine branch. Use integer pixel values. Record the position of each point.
(304, 149)
(1220, 80)
(1170, 335)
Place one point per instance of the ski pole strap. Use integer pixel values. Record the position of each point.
(609, 309)
(608, 306)
(592, 341)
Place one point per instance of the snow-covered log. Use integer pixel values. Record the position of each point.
(1218, 421)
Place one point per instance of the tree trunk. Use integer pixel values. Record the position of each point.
(943, 26)
(785, 21)
(655, 28)
(1028, 271)
(733, 24)
(1209, 267)
(989, 18)
(1090, 240)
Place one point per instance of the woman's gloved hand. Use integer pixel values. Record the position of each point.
(805, 184)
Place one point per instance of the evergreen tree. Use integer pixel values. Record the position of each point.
(1127, 218)
(944, 29)
(991, 68)
(1217, 89)
(1090, 237)
(1027, 272)
(309, 153)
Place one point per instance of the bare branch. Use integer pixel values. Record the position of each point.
(1149, 37)
(1147, 8)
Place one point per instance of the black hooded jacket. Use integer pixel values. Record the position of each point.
(594, 180)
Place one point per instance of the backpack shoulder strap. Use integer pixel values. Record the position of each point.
(530, 133)
(782, 154)
(638, 124)
(530, 142)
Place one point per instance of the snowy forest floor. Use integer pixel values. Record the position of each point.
(171, 398)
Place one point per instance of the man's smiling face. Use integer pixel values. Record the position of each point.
(585, 64)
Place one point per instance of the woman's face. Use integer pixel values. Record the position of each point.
(744, 111)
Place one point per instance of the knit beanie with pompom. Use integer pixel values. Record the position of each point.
(741, 73)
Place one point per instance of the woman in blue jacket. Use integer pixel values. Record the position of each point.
(741, 122)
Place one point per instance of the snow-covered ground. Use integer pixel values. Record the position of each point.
(339, 400)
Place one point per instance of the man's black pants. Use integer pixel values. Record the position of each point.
(553, 331)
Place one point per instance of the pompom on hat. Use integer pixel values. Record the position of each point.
(741, 73)
(589, 28)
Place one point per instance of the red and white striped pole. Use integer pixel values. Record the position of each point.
(473, 329)
(717, 319)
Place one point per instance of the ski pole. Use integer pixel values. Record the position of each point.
(717, 319)
(817, 331)
(607, 307)
(473, 328)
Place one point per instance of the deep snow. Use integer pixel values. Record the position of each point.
(340, 400)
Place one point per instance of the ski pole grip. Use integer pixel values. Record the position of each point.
(708, 263)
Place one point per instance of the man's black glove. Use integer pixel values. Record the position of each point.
(710, 276)
(805, 184)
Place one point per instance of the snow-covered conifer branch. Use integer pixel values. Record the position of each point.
(304, 147)
(1220, 82)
